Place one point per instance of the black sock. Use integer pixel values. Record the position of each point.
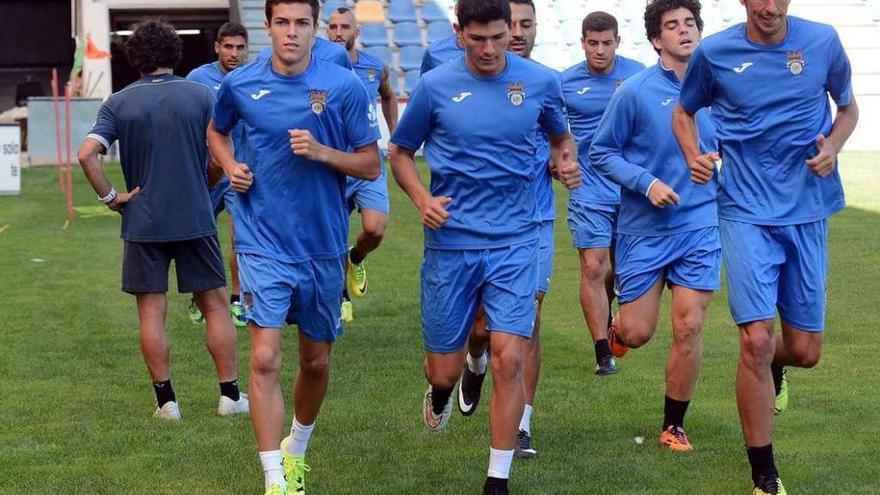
(345, 293)
(495, 482)
(673, 412)
(602, 349)
(776, 371)
(761, 460)
(164, 392)
(355, 256)
(230, 389)
(439, 398)
(234, 298)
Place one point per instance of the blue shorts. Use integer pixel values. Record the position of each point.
(368, 194)
(307, 294)
(545, 255)
(222, 197)
(455, 282)
(687, 259)
(782, 268)
(592, 225)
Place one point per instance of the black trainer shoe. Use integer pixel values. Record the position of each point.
(470, 386)
(523, 448)
(606, 366)
(495, 487)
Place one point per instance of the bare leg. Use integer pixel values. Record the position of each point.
(595, 281)
(374, 224)
(508, 393)
(154, 339)
(220, 335)
(312, 379)
(266, 402)
(637, 320)
(533, 355)
(688, 313)
(754, 383)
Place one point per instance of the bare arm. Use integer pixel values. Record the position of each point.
(432, 209)
(91, 165)
(220, 147)
(702, 166)
(364, 163)
(564, 160)
(389, 100)
(844, 124)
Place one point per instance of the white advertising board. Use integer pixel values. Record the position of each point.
(10, 159)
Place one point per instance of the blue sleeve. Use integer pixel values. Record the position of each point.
(416, 123)
(105, 131)
(343, 59)
(838, 83)
(552, 118)
(226, 113)
(696, 89)
(361, 126)
(196, 75)
(612, 136)
(427, 62)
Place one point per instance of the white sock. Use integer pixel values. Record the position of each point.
(299, 437)
(526, 419)
(499, 463)
(271, 461)
(477, 365)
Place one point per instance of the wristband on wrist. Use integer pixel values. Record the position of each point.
(648, 191)
(109, 197)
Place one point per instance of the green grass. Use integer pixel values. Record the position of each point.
(77, 401)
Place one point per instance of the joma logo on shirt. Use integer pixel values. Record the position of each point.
(259, 94)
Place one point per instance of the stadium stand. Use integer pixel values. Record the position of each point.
(411, 57)
(402, 27)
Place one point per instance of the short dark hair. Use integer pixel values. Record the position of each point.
(231, 29)
(483, 11)
(314, 4)
(530, 3)
(598, 22)
(154, 44)
(343, 10)
(656, 8)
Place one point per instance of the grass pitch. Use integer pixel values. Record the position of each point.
(77, 398)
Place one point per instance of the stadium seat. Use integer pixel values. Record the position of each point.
(402, 11)
(329, 7)
(407, 34)
(433, 12)
(374, 34)
(410, 80)
(411, 57)
(395, 85)
(369, 11)
(438, 30)
(382, 52)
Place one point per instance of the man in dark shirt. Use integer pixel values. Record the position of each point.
(160, 123)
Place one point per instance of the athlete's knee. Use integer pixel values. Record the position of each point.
(265, 361)
(211, 300)
(593, 268)
(633, 334)
(805, 356)
(315, 365)
(443, 378)
(756, 344)
(688, 329)
(507, 365)
(375, 229)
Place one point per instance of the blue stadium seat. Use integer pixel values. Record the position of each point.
(433, 12)
(407, 34)
(329, 7)
(374, 35)
(438, 30)
(382, 52)
(402, 11)
(395, 85)
(410, 79)
(411, 57)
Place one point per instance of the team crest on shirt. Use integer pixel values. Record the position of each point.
(795, 62)
(317, 100)
(516, 93)
(371, 75)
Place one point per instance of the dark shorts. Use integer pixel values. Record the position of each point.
(198, 263)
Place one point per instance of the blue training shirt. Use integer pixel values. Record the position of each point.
(211, 75)
(295, 210)
(479, 136)
(323, 49)
(634, 144)
(440, 52)
(586, 97)
(770, 103)
(160, 122)
(369, 69)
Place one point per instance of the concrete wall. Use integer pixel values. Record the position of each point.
(41, 127)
